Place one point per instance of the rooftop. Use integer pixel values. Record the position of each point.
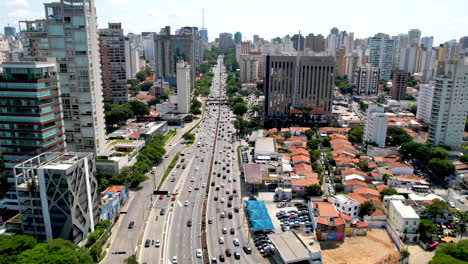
(289, 246)
(265, 144)
(326, 209)
(405, 211)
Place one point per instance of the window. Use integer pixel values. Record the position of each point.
(63, 68)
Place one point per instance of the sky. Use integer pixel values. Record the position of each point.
(443, 19)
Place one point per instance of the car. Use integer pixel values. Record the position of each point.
(199, 253)
(189, 223)
(174, 197)
(230, 179)
(192, 179)
(186, 203)
(228, 252)
(147, 243)
(203, 185)
(231, 197)
(234, 190)
(224, 231)
(236, 242)
(236, 210)
(236, 255)
(222, 215)
(230, 215)
(174, 260)
(157, 243)
(432, 245)
(214, 261)
(232, 231)
(215, 198)
(173, 179)
(196, 188)
(131, 224)
(222, 200)
(210, 220)
(212, 183)
(247, 249)
(178, 166)
(229, 204)
(190, 189)
(161, 197)
(221, 240)
(221, 258)
(162, 212)
(227, 191)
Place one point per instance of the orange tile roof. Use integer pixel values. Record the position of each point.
(114, 189)
(300, 158)
(345, 216)
(291, 147)
(344, 146)
(144, 96)
(326, 209)
(303, 167)
(338, 136)
(321, 220)
(299, 128)
(333, 129)
(339, 152)
(135, 134)
(272, 130)
(300, 151)
(284, 129)
(361, 224)
(353, 171)
(461, 166)
(301, 139)
(286, 157)
(338, 221)
(356, 197)
(345, 160)
(338, 141)
(397, 164)
(311, 175)
(381, 187)
(355, 182)
(408, 177)
(379, 159)
(304, 182)
(366, 191)
(378, 212)
(372, 165)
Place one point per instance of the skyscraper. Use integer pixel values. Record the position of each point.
(57, 196)
(9, 31)
(288, 91)
(450, 105)
(31, 121)
(414, 36)
(204, 35)
(148, 47)
(341, 62)
(184, 89)
(237, 37)
(132, 58)
(399, 83)
(366, 80)
(427, 42)
(425, 97)
(315, 43)
(375, 129)
(113, 64)
(226, 41)
(69, 33)
(381, 54)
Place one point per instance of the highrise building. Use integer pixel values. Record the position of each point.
(399, 84)
(4, 49)
(366, 80)
(113, 64)
(352, 61)
(375, 129)
(425, 97)
(148, 48)
(9, 31)
(204, 35)
(132, 58)
(427, 42)
(184, 87)
(295, 85)
(401, 42)
(298, 42)
(341, 62)
(225, 41)
(414, 36)
(244, 47)
(315, 43)
(251, 67)
(450, 105)
(256, 38)
(57, 196)
(69, 33)
(31, 120)
(410, 59)
(237, 37)
(381, 54)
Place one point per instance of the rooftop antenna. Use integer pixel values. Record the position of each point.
(296, 75)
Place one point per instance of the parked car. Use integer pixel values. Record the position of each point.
(131, 224)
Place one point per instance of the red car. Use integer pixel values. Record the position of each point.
(236, 210)
(432, 245)
(161, 197)
(292, 216)
(173, 198)
(234, 190)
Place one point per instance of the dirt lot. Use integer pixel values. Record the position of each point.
(374, 248)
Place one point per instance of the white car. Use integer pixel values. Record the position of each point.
(236, 242)
(190, 189)
(203, 185)
(221, 240)
(229, 179)
(222, 200)
(199, 253)
(192, 179)
(157, 243)
(174, 260)
(186, 203)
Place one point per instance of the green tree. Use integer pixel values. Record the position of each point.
(310, 134)
(441, 168)
(396, 136)
(427, 229)
(314, 190)
(449, 253)
(339, 187)
(314, 143)
(117, 114)
(131, 260)
(55, 251)
(12, 246)
(404, 253)
(141, 75)
(363, 106)
(355, 134)
(436, 208)
(413, 109)
(287, 135)
(326, 141)
(239, 109)
(463, 158)
(138, 108)
(366, 208)
(154, 101)
(463, 218)
(314, 155)
(439, 153)
(388, 191)
(363, 165)
(145, 86)
(188, 137)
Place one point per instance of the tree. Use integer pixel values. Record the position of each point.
(463, 218)
(363, 165)
(366, 208)
(413, 109)
(309, 134)
(355, 134)
(188, 137)
(55, 251)
(396, 136)
(287, 135)
(439, 153)
(117, 114)
(326, 141)
(404, 253)
(441, 168)
(426, 230)
(314, 190)
(314, 155)
(154, 101)
(12, 246)
(138, 108)
(363, 106)
(314, 143)
(463, 158)
(339, 187)
(385, 178)
(145, 86)
(131, 260)
(141, 75)
(239, 109)
(388, 191)
(449, 253)
(436, 208)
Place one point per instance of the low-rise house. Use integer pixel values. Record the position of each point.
(406, 181)
(367, 192)
(300, 159)
(111, 200)
(298, 131)
(345, 147)
(398, 168)
(342, 154)
(345, 163)
(300, 151)
(404, 219)
(346, 204)
(327, 222)
(351, 185)
(299, 184)
(303, 168)
(333, 130)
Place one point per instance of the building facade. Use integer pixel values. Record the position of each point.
(426, 94)
(381, 54)
(184, 90)
(57, 196)
(132, 59)
(237, 37)
(9, 31)
(404, 219)
(69, 33)
(375, 129)
(303, 83)
(31, 119)
(450, 105)
(113, 64)
(366, 80)
(399, 84)
(225, 41)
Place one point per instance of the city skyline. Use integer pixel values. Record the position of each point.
(415, 15)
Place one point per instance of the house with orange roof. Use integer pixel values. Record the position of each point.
(334, 130)
(300, 184)
(111, 200)
(406, 181)
(298, 138)
(292, 147)
(351, 185)
(381, 187)
(342, 153)
(357, 197)
(353, 171)
(298, 159)
(280, 139)
(328, 224)
(284, 130)
(398, 168)
(297, 131)
(381, 171)
(345, 163)
(303, 168)
(272, 131)
(338, 141)
(297, 143)
(345, 147)
(367, 192)
(300, 151)
(153, 116)
(338, 136)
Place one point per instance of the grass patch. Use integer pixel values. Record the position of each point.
(239, 158)
(116, 141)
(172, 164)
(103, 255)
(168, 135)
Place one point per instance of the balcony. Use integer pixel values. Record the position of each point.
(39, 77)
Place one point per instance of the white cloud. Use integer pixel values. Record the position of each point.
(19, 3)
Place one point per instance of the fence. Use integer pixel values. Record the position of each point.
(394, 236)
